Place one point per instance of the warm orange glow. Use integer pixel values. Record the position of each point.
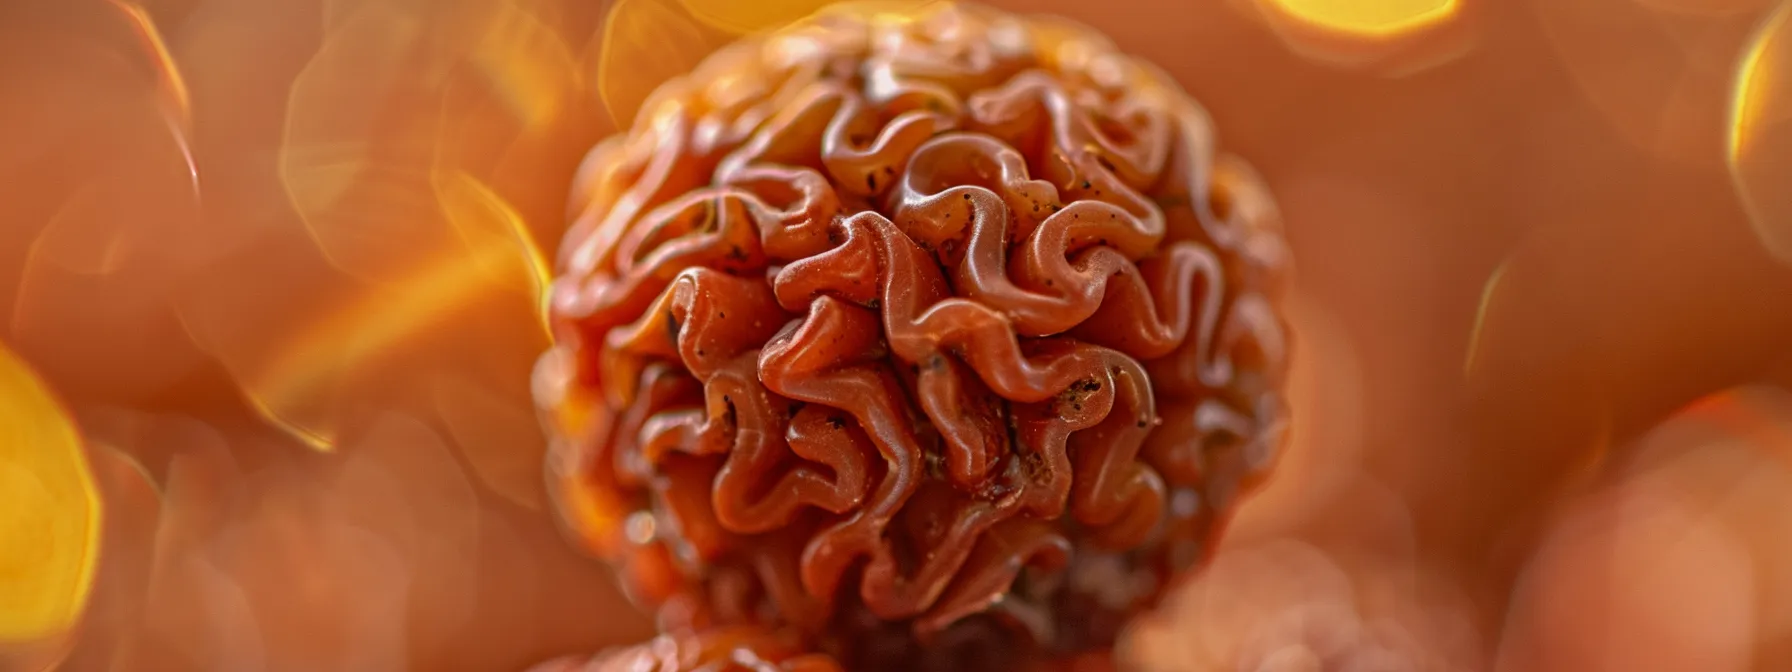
(1372, 18)
(485, 424)
(1391, 38)
(300, 369)
(1750, 413)
(290, 426)
(1489, 291)
(645, 43)
(746, 17)
(489, 227)
(177, 100)
(1758, 75)
(49, 510)
(530, 68)
(1706, 7)
(78, 239)
(360, 184)
(1760, 132)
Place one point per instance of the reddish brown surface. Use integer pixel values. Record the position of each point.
(750, 649)
(945, 330)
(719, 650)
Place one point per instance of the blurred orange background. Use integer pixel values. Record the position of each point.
(270, 279)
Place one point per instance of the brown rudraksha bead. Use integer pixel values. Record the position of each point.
(938, 331)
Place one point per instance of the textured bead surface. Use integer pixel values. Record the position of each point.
(906, 333)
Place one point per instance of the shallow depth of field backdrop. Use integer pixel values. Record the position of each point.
(269, 275)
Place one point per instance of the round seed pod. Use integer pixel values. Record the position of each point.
(947, 330)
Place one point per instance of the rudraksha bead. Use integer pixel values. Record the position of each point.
(904, 332)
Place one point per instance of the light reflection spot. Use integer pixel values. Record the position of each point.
(640, 527)
(1375, 18)
(49, 511)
